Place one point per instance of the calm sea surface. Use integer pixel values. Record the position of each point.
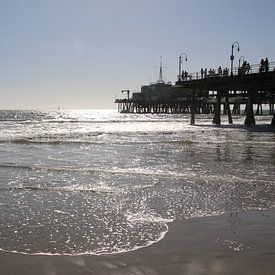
(94, 182)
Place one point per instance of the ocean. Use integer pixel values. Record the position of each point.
(100, 182)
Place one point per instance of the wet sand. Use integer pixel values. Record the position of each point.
(236, 243)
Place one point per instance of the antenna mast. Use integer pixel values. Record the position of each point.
(160, 71)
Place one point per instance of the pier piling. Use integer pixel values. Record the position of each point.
(193, 108)
(227, 109)
(249, 119)
(273, 120)
(217, 115)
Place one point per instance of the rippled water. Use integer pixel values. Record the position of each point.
(93, 182)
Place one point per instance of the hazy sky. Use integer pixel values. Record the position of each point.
(82, 53)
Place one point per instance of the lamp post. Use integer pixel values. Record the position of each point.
(241, 59)
(180, 61)
(235, 44)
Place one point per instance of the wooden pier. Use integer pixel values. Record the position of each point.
(205, 94)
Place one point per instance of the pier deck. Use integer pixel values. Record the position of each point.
(200, 93)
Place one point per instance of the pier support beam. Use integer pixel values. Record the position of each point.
(217, 116)
(273, 120)
(259, 110)
(271, 104)
(250, 119)
(227, 109)
(193, 108)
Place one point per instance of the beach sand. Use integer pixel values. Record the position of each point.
(236, 243)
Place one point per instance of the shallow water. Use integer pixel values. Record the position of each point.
(93, 182)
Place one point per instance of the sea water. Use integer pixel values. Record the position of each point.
(97, 182)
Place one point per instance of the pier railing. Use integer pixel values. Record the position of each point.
(225, 72)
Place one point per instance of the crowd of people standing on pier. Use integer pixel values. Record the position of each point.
(212, 72)
(205, 73)
(243, 69)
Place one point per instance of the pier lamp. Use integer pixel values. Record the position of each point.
(180, 61)
(235, 44)
(241, 59)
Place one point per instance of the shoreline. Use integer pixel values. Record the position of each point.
(236, 243)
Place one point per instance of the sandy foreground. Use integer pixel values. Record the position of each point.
(236, 243)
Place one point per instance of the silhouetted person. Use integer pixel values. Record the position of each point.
(202, 71)
(247, 69)
(185, 74)
(220, 71)
(182, 75)
(205, 72)
(225, 71)
(262, 66)
(243, 69)
(266, 65)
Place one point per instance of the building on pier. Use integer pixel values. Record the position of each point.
(158, 97)
(155, 91)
